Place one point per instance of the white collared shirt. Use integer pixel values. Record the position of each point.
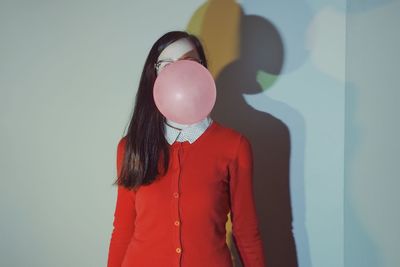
(189, 132)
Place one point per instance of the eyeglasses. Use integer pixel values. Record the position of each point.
(161, 64)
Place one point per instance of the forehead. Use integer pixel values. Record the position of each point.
(177, 49)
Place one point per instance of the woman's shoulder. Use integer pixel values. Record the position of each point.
(229, 140)
(121, 145)
(122, 141)
(226, 132)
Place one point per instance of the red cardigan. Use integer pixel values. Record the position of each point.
(179, 220)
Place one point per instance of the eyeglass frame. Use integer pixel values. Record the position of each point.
(172, 60)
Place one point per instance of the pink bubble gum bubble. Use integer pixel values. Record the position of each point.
(185, 92)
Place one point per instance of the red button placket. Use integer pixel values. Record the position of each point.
(176, 199)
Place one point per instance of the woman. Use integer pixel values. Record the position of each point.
(177, 183)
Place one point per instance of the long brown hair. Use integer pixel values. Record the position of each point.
(144, 144)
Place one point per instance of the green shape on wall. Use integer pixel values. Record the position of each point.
(265, 79)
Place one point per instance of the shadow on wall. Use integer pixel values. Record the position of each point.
(240, 48)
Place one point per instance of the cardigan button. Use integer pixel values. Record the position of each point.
(176, 195)
(176, 223)
(178, 250)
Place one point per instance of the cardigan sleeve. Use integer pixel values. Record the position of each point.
(124, 217)
(245, 227)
